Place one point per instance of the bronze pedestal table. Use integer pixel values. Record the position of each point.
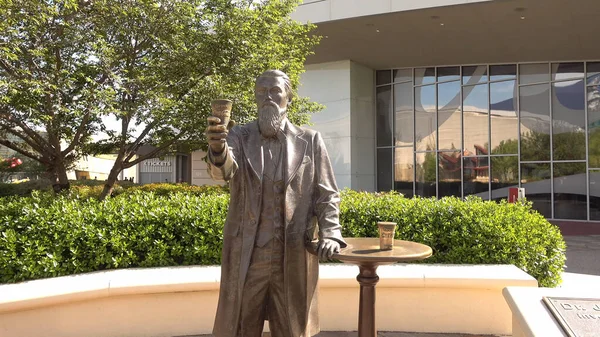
(365, 253)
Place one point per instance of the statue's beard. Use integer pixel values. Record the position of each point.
(270, 117)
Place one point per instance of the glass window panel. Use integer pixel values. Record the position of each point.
(474, 75)
(425, 115)
(535, 178)
(425, 174)
(565, 71)
(593, 102)
(593, 73)
(383, 77)
(402, 75)
(503, 72)
(535, 122)
(424, 76)
(448, 74)
(475, 119)
(384, 116)
(570, 199)
(503, 115)
(403, 101)
(594, 194)
(476, 176)
(533, 73)
(449, 121)
(568, 120)
(404, 170)
(505, 174)
(449, 174)
(384, 169)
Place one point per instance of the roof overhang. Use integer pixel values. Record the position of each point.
(483, 32)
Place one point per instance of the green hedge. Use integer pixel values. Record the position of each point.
(44, 236)
(463, 232)
(93, 188)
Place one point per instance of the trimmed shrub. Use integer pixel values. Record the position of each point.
(25, 188)
(45, 235)
(463, 232)
(93, 188)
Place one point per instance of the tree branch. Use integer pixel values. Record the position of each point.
(24, 137)
(9, 69)
(80, 131)
(34, 136)
(16, 148)
(137, 143)
(150, 154)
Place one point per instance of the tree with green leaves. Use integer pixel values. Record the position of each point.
(151, 65)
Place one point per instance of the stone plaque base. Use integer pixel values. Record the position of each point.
(578, 317)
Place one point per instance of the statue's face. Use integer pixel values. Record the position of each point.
(271, 90)
(272, 101)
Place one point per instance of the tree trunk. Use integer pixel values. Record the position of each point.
(61, 182)
(111, 180)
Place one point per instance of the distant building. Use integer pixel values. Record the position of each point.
(440, 98)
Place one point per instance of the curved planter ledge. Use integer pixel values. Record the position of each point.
(179, 301)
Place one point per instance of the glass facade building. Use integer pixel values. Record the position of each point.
(481, 129)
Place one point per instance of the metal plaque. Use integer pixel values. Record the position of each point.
(578, 317)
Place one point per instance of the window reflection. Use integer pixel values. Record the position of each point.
(565, 71)
(404, 114)
(383, 77)
(475, 119)
(384, 116)
(535, 178)
(448, 74)
(449, 174)
(476, 176)
(594, 194)
(425, 119)
(424, 76)
(503, 72)
(384, 169)
(568, 120)
(402, 75)
(474, 75)
(535, 122)
(534, 73)
(593, 103)
(570, 200)
(593, 73)
(449, 121)
(505, 174)
(404, 170)
(425, 169)
(504, 121)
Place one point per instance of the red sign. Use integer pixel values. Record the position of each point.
(513, 194)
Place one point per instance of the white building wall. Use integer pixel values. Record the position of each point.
(327, 10)
(199, 173)
(346, 123)
(329, 84)
(363, 127)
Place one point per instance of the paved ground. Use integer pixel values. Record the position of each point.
(583, 270)
(583, 254)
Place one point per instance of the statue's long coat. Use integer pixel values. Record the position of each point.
(311, 198)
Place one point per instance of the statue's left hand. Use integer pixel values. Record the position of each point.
(326, 249)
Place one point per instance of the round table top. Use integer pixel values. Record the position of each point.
(366, 250)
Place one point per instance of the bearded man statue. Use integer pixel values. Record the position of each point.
(283, 196)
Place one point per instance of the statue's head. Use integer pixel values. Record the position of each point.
(273, 92)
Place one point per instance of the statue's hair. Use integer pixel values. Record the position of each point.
(287, 84)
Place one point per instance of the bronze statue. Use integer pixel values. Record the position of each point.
(282, 192)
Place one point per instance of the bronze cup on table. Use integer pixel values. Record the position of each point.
(386, 235)
(222, 108)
